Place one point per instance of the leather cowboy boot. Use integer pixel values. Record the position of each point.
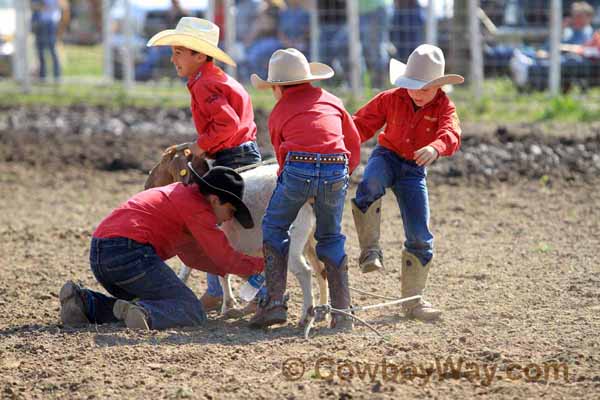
(339, 292)
(414, 279)
(272, 309)
(368, 230)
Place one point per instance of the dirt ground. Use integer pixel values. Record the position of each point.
(516, 272)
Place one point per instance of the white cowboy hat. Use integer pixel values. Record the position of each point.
(195, 34)
(424, 69)
(290, 67)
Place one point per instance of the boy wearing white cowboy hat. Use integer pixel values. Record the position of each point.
(317, 146)
(421, 125)
(221, 107)
(130, 246)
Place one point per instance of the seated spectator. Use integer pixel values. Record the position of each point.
(407, 30)
(294, 26)
(263, 39)
(530, 68)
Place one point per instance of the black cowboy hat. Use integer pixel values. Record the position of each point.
(228, 185)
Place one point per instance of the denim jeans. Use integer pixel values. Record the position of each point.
(132, 271)
(236, 157)
(45, 38)
(386, 169)
(298, 182)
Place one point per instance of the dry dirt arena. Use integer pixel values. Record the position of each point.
(517, 273)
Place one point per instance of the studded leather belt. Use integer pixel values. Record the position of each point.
(322, 159)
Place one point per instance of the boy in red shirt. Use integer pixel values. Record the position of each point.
(317, 146)
(421, 125)
(221, 107)
(130, 246)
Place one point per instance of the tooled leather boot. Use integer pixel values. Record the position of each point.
(339, 293)
(368, 229)
(414, 279)
(272, 309)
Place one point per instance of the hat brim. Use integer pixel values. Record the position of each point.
(318, 72)
(242, 214)
(397, 78)
(172, 37)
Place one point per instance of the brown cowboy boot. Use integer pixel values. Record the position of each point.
(272, 309)
(414, 279)
(368, 230)
(339, 293)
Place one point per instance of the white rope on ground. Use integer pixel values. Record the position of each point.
(324, 309)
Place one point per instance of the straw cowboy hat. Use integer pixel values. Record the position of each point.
(424, 69)
(290, 67)
(195, 34)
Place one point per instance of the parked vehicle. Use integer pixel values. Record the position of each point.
(7, 36)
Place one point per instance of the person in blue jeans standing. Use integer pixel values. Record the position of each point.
(45, 19)
(317, 146)
(129, 248)
(421, 125)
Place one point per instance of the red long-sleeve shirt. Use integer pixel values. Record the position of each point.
(310, 119)
(407, 130)
(178, 221)
(221, 110)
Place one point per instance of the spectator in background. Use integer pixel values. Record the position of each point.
(333, 39)
(407, 27)
(263, 39)
(530, 68)
(294, 26)
(374, 18)
(45, 22)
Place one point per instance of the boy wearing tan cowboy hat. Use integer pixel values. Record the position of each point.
(421, 125)
(317, 146)
(221, 107)
(130, 246)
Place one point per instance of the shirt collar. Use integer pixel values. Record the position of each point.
(295, 89)
(206, 69)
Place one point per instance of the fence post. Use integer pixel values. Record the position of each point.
(314, 30)
(230, 15)
(431, 24)
(128, 56)
(20, 61)
(108, 62)
(210, 13)
(354, 48)
(476, 50)
(555, 33)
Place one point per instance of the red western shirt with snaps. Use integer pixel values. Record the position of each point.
(312, 120)
(177, 220)
(221, 110)
(407, 130)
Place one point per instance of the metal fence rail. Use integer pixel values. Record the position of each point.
(473, 34)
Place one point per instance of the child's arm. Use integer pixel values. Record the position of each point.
(371, 117)
(448, 134)
(223, 122)
(352, 140)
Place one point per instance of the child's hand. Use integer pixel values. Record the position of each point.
(196, 150)
(425, 156)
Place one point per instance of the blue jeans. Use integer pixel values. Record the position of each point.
(236, 157)
(298, 182)
(45, 38)
(386, 169)
(133, 271)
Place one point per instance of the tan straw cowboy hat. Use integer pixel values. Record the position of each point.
(424, 69)
(195, 34)
(290, 67)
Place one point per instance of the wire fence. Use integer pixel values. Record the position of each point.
(537, 45)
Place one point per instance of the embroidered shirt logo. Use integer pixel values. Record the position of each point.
(428, 118)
